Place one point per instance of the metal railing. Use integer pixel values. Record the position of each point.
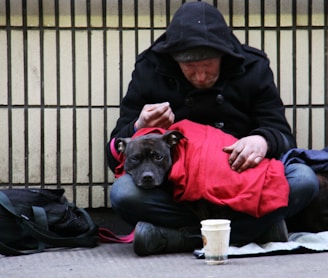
(65, 66)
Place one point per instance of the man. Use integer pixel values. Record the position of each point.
(198, 70)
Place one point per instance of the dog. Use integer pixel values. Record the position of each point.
(148, 158)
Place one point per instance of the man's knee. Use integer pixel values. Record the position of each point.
(304, 186)
(302, 178)
(122, 191)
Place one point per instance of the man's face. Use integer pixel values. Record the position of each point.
(202, 74)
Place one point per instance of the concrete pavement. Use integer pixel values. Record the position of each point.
(119, 260)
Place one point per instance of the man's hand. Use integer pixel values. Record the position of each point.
(247, 152)
(155, 115)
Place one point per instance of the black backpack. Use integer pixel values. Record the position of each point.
(34, 219)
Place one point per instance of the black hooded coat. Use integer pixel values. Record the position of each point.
(244, 101)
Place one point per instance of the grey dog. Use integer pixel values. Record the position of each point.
(148, 157)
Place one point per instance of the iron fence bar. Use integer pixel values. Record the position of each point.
(25, 78)
(74, 120)
(129, 28)
(231, 13)
(278, 27)
(262, 24)
(104, 24)
(326, 70)
(151, 20)
(310, 127)
(58, 98)
(90, 174)
(136, 28)
(100, 106)
(294, 24)
(120, 29)
(9, 95)
(246, 16)
(42, 100)
(168, 12)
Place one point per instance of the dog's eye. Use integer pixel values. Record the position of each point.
(135, 158)
(158, 156)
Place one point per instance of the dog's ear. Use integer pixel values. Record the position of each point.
(173, 137)
(120, 144)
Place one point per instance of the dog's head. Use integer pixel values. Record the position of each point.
(148, 157)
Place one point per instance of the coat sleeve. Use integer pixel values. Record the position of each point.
(269, 113)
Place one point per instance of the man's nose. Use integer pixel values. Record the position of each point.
(201, 75)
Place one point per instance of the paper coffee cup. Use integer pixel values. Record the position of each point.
(216, 237)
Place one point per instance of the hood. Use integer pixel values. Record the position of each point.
(197, 24)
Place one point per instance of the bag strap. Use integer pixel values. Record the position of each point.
(6, 204)
(41, 219)
(107, 236)
(9, 251)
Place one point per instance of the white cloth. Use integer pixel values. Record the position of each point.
(316, 242)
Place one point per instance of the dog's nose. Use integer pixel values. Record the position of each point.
(147, 177)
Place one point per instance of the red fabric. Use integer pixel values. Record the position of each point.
(201, 171)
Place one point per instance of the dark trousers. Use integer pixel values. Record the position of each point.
(158, 207)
